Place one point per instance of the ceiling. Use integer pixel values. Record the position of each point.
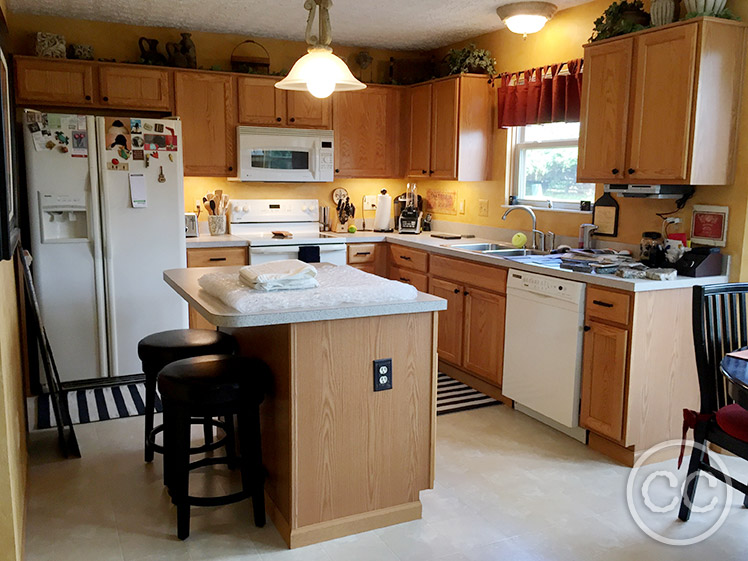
(389, 24)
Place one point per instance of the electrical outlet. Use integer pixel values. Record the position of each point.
(462, 206)
(482, 207)
(382, 374)
(370, 202)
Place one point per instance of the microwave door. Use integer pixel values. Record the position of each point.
(287, 162)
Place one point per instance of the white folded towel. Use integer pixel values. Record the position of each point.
(285, 270)
(283, 284)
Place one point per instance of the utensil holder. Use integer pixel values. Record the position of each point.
(217, 224)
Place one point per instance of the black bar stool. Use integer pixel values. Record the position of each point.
(158, 350)
(212, 386)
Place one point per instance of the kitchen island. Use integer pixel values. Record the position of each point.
(341, 458)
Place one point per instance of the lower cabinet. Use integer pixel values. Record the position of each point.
(450, 320)
(213, 257)
(368, 257)
(484, 334)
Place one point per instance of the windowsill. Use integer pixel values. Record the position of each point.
(546, 209)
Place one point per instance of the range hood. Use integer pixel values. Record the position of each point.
(649, 191)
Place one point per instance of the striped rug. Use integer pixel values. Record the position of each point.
(91, 405)
(453, 396)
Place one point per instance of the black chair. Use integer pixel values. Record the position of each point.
(720, 325)
(158, 350)
(212, 386)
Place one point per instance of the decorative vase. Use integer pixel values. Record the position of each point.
(188, 50)
(50, 45)
(636, 16)
(149, 52)
(80, 52)
(176, 57)
(705, 7)
(662, 12)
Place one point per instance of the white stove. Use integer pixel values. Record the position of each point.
(256, 219)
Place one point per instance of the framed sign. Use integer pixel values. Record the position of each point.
(9, 232)
(709, 225)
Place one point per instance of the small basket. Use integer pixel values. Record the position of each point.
(250, 64)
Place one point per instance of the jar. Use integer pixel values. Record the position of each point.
(650, 248)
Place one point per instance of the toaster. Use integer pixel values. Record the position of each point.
(190, 224)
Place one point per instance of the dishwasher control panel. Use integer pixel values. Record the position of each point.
(561, 289)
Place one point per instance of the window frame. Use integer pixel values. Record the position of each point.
(517, 143)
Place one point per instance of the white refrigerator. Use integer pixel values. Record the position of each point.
(106, 216)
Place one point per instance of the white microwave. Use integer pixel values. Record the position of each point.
(284, 155)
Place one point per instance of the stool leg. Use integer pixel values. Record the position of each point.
(179, 477)
(253, 472)
(208, 431)
(150, 401)
(230, 441)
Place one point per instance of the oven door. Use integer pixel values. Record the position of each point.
(330, 253)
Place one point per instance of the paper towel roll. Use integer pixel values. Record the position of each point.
(384, 210)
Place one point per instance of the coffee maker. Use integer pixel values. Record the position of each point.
(409, 211)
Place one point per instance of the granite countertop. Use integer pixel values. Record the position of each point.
(185, 283)
(442, 246)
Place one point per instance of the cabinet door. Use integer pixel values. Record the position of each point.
(260, 102)
(604, 113)
(419, 150)
(54, 82)
(484, 334)
(367, 125)
(444, 115)
(205, 103)
(450, 320)
(213, 257)
(664, 73)
(603, 379)
(303, 110)
(131, 87)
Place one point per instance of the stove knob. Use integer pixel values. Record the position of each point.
(245, 208)
(304, 208)
(237, 208)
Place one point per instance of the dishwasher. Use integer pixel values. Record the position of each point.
(543, 349)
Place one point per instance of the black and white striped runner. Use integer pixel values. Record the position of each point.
(91, 405)
(453, 396)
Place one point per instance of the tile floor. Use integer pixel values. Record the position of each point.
(507, 487)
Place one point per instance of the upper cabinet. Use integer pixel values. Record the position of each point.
(204, 101)
(51, 82)
(262, 104)
(661, 106)
(367, 132)
(451, 127)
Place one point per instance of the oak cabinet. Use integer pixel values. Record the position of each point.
(205, 102)
(213, 257)
(367, 132)
(450, 129)
(124, 86)
(451, 320)
(369, 257)
(604, 378)
(52, 82)
(661, 106)
(261, 103)
(485, 314)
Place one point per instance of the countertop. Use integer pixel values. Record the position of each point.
(185, 283)
(442, 246)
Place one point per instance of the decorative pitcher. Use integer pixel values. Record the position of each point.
(149, 52)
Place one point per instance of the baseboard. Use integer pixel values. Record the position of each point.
(615, 451)
(103, 382)
(474, 382)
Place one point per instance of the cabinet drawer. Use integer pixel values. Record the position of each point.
(421, 282)
(370, 268)
(468, 272)
(608, 305)
(409, 258)
(362, 253)
(217, 257)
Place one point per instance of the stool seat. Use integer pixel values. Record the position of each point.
(159, 349)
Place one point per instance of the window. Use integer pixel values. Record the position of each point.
(544, 166)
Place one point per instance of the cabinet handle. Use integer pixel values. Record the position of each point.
(88, 98)
(404, 279)
(105, 98)
(603, 304)
(466, 293)
(632, 171)
(231, 168)
(405, 257)
(457, 290)
(363, 253)
(423, 171)
(615, 171)
(431, 171)
(278, 119)
(587, 328)
(292, 120)
(337, 171)
(217, 259)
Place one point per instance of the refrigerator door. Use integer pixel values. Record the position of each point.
(63, 214)
(140, 242)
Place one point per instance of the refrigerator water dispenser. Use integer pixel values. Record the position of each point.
(64, 218)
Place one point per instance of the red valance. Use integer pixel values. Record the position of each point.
(549, 94)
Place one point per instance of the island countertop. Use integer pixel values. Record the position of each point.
(185, 283)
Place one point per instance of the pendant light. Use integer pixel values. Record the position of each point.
(526, 17)
(319, 71)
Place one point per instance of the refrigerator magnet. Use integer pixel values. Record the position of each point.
(135, 126)
(138, 155)
(138, 191)
(80, 144)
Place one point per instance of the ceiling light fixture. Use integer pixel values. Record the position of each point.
(319, 71)
(526, 17)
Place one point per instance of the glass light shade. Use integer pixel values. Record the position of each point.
(320, 73)
(524, 24)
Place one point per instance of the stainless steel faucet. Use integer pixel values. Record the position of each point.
(535, 231)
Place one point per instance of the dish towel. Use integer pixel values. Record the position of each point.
(288, 274)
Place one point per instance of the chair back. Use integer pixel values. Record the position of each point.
(720, 325)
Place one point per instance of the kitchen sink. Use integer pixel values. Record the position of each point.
(513, 252)
(482, 247)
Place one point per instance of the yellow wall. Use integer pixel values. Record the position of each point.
(12, 423)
